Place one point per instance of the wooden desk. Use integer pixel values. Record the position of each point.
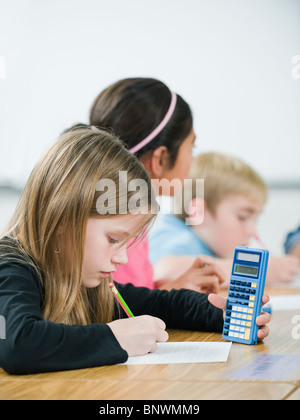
(169, 382)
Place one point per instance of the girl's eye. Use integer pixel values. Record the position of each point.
(242, 218)
(112, 240)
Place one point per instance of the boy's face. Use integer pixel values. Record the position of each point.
(233, 224)
(102, 252)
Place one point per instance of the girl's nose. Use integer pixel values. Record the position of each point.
(120, 256)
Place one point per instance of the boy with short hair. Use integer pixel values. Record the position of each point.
(292, 243)
(234, 196)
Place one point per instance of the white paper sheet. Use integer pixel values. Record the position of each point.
(184, 352)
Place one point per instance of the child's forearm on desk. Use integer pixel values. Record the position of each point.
(172, 267)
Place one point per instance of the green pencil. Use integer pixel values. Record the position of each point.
(121, 300)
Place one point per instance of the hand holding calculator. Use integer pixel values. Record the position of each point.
(245, 293)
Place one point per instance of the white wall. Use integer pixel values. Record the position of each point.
(230, 59)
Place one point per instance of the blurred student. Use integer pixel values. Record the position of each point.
(156, 124)
(292, 243)
(234, 197)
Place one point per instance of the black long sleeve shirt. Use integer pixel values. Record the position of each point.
(33, 344)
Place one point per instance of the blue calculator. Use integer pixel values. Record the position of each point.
(246, 289)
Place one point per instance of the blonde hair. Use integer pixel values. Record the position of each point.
(49, 223)
(223, 176)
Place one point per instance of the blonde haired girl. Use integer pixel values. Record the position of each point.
(57, 256)
(52, 215)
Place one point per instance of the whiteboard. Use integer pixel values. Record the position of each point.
(236, 62)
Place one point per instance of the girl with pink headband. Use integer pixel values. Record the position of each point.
(157, 126)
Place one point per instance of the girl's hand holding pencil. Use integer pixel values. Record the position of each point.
(137, 335)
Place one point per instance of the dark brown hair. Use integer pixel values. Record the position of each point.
(134, 107)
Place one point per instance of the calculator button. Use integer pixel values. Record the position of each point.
(247, 334)
(252, 298)
(251, 305)
(250, 311)
(249, 318)
(254, 285)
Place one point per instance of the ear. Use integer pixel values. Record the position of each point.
(196, 210)
(157, 162)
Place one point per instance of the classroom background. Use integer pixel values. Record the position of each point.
(237, 63)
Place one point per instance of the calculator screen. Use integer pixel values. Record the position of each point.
(246, 270)
(248, 257)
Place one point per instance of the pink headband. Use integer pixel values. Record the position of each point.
(159, 128)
